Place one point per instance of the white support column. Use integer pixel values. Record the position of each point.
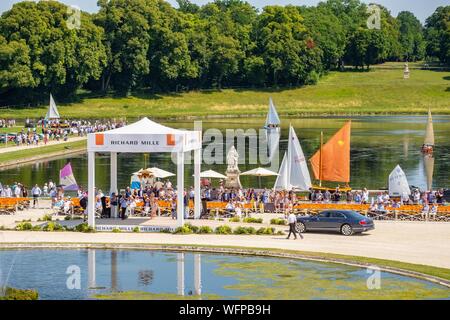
(197, 274)
(113, 184)
(113, 172)
(180, 274)
(91, 269)
(197, 189)
(180, 189)
(91, 189)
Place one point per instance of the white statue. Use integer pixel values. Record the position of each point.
(233, 172)
(232, 159)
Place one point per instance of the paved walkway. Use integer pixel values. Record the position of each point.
(425, 243)
(12, 148)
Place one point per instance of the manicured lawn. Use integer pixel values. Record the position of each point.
(33, 152)
(380, 91)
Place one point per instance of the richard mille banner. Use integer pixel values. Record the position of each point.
(101, 142)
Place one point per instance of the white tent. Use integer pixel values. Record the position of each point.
(146, 136)
(160, 173)
(52, 112)
(259, 172)
(212, 174)
(398, 184)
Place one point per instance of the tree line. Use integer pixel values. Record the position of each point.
(149, 44)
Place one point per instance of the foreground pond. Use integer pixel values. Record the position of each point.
(130, 274)
(378, 144)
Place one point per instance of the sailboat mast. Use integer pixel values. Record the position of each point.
(289, 164)
(320, 159)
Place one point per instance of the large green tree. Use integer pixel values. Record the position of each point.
(289, 53)
(437, 34)
(411, 37)
(127, 42)
(40, 52)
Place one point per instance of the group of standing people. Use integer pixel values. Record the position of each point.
(7, 123)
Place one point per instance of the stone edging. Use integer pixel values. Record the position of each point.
(228, 250)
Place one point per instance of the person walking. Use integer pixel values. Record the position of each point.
(36, 192)
(123, 206)
(292, 220)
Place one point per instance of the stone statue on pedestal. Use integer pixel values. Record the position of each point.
(406, 72)
(232, 172)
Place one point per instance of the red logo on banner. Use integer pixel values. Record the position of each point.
(99, 139)
(170, 140)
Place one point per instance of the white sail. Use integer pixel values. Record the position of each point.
(299, 174)
(272, 126)
(398, 184)
(293, 172)
(52, 112)
(429, 133)
(272, 116)
(282, 180)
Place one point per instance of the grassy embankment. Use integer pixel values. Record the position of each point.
(32, 154)
(380, 91)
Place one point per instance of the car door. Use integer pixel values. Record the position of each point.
(320, 220)
(335, 220)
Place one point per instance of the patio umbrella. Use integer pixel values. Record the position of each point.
(259, 172)
(160, 173)
(212, 174)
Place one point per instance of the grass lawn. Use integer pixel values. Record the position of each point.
(11, 130)
(42, 151)
(380, 91)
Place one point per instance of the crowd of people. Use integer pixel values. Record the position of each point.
(56, 130)
(124, 203)
(7, 123)
(82, 127)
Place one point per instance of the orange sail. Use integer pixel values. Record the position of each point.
(335, 157)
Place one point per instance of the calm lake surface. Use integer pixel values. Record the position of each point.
(378, 144)
(107, 274)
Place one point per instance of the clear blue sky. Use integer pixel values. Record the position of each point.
(421, 8)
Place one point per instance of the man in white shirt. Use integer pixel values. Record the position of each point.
(17, 191)
(292, 220)
(36, 192)
(8, 192)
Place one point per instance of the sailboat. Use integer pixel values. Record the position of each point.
(398, 184)
(293, 173)
(428, 143)
(332, 161)
(67, 179)
(273, 129)
(52, 112)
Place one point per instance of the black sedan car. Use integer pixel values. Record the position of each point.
(346, 222)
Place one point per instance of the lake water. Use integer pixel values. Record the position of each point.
(378, 144)
(132, 274)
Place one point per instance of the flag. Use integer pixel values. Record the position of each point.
(335, 157)
(67, 179)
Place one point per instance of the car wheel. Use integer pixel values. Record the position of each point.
(347, 230)
(300, 227)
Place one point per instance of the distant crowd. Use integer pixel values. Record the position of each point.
(7, 123)
(56, 130)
